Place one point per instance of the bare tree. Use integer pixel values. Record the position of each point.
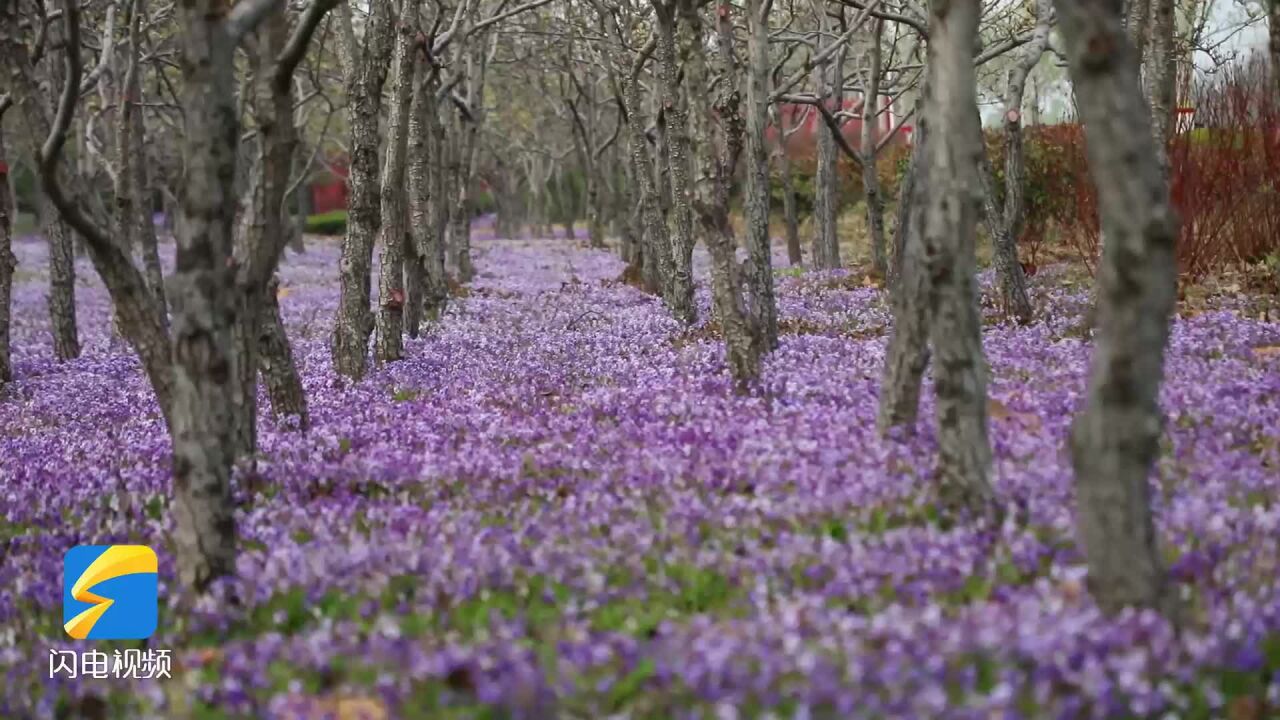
(1005, 222)
(1115, 439)
(938, 266)
(192, 367)
(27, 70)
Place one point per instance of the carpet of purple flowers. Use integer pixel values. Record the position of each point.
(556, 506)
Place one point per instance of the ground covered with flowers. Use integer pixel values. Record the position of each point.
(557, 507)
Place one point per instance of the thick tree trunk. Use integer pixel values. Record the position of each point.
(952, 208)
(365, 64)
(204, 366)
(389, 343)
(423, 189)
(869, 140)
(679, 162)
(826, 190)
(1115, 439)
(760, 270)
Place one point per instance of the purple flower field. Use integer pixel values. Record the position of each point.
(556, 507)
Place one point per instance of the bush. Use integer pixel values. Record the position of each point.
(333, 222)
(1224, 177)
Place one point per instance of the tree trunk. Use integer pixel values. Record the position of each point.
(423, 197)
(1161, 74)
(7, 262)
(656, 255)
(826, 190)
(1115, 439)
(1273, 41)
(790, 216)
(869, 140)
(679, 160)
(952, 207)
(389, 343)
(365, 64)
(276, 362)
(760, 273)
(907, 354)
(204, 366)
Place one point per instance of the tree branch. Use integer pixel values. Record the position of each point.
(246, 15)
(296, 48)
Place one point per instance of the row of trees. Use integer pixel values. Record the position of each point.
(661, 107)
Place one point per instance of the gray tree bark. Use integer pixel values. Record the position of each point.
(1115, 439)
(826, 190)
(7, 260)
(718, 145)
(1005, 223)
(365, 63)
(790, 215)
(389, 342)
(657, 251)
(679, 161)
(760, 269)
(952, 208)
(907, 354)
(868, 142)
(423, 181)
(1161, 75)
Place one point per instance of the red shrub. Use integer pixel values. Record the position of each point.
(1224, 176)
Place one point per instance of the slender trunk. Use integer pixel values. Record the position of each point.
(869, 140)
(365, 64)
(62, 284)
(276, 362)
(1137, 17)
(679, 161)
(1161, 74)
(907, 354)
(258, 343)
(1115, 439)
(760, 273)
(389, 343)
(7, 262)
(1273, 41)
(826, 192)
(790, 216)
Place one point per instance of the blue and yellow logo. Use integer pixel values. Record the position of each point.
(109, 592)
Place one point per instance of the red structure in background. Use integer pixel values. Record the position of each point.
(329, 188)
(803, 142)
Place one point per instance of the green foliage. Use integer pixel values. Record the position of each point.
(333, 222)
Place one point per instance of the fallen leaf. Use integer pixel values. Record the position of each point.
(359, 708)
(1263, 351)
(282, 292)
